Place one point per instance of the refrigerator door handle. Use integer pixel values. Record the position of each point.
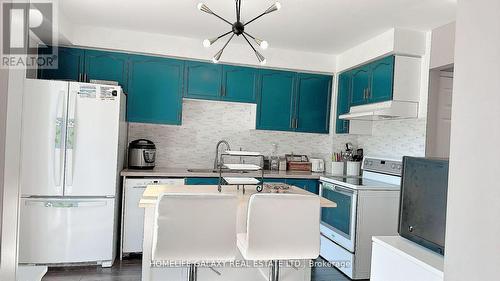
(71, 144)
(65, 203)
(58, 140)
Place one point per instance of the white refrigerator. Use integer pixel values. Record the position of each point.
(73, 149)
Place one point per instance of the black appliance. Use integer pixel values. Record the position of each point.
(424, 189)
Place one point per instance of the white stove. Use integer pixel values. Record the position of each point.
(366, 206)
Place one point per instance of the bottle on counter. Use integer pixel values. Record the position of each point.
(274, 159)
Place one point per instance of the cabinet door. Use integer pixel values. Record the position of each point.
(155, 86)
(382, 77)
(203, 80)
(111, 66)
(343, 97)
(313, 103)
(70, 64)
(309, 185)
(239, 84)
(201, 181)
(275, 102)
(360, 84)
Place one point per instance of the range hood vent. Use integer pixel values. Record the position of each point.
(389, 110)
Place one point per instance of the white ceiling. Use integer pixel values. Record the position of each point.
(324, 26)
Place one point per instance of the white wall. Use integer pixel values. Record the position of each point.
(473, 228)
(443, 46)
(394, 41)
(183, 47)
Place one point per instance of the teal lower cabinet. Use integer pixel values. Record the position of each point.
(275, 105)
(313, 103)
(306, 184)
(155, 90)
(201, 181)
(343, 97)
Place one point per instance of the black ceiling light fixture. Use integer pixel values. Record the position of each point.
(238, 28)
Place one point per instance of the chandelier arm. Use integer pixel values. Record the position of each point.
(249, 43)
(222, 18)
(257, 17)
(223, 35)
(230, 38)
(249, 35)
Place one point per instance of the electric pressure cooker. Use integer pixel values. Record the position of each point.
(141, 154)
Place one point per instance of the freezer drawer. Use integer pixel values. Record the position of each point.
(133, 216)
(66, 230)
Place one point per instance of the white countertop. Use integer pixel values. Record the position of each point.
(150, 195)
(352, 182)
(420, 255)
(183, 173)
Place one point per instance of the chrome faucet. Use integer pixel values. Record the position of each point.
(217, 161)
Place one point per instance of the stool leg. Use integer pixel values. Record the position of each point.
(192, 272)
(275, 271)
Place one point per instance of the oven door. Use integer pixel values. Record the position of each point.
(339, 224)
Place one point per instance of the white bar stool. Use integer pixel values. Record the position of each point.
(281, 227)
(195, 228)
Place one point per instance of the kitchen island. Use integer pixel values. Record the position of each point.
(152, 273)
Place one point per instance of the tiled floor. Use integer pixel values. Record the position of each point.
(130, 270)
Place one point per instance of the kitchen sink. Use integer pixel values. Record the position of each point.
(214, 171)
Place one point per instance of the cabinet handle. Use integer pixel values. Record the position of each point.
(85, 78)
(296, 123)
(80, 77)
(291, 122)
(364, 94)
(368, 93)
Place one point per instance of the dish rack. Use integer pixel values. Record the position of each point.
(237, 171)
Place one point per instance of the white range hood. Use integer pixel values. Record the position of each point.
(383, 111)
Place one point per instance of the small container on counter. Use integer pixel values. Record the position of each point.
(353, 168)
(338, 168)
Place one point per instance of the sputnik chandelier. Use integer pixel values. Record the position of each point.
(238, 28)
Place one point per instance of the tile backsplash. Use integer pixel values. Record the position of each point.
(395, 139)
(204, 123)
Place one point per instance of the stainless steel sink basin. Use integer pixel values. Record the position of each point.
(213, 171)
(202, 171)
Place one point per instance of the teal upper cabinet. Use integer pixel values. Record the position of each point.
(202, 80)
(101, 65)
(360, 85)
(373, 82)
(275, 106)
(70, 64)
(313, 103)
(343, 97)
(155, 90)
(382, 79)
(239, 84)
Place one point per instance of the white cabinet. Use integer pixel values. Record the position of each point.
(395, 258)
(133, 216)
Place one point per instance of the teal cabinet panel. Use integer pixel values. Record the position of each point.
(203, 80)
(239, 84)
(313, 103)
(70, 64)
(155, 90)
(343, 97)
(360, 85)
(201, 181)
(382, 79)
(111, 66)
(306, 184)
(275, 104)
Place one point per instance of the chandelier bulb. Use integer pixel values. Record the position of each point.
(200, 6)
(263, 45)
(206, 43)
(278, 5)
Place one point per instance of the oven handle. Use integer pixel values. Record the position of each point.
(339, 189)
